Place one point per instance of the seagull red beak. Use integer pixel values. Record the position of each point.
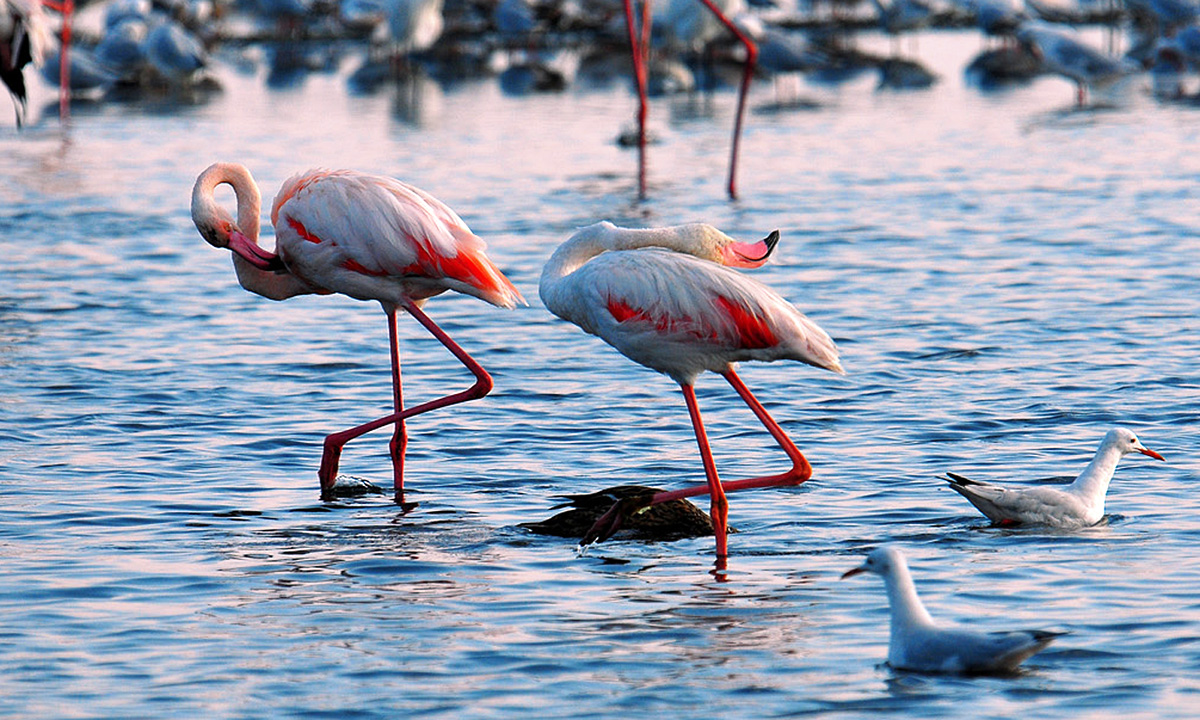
(1151, 453)
(852, 573)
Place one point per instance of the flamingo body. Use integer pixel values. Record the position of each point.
(668, 298)
(673, 311)
(376, 238)
(366, 236)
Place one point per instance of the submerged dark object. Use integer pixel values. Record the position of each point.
(671, 520)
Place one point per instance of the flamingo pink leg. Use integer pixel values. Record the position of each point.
(800, 471)
(720, 505)
(334, 443)
(400, 437)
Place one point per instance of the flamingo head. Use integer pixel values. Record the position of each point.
(218, 227)
(712, 244)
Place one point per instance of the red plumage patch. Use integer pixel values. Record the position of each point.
(753, 331)
(303, 231)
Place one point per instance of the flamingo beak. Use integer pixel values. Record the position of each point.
(852, 573)
(751, 255)
(250, 251)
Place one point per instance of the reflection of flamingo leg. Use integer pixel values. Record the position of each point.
(334, 443)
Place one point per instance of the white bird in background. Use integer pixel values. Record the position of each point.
(918, 644)
(669, 298)
(1065, 54)
(25, 39)
(1077, 505)
(414, 25)
(366, 236)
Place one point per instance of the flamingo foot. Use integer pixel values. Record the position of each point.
(405, 507)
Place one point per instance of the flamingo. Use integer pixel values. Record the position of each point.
(690, 28)
(669, 299)
(366, 236)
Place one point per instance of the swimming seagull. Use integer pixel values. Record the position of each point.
(918, 644)
(1079, 504)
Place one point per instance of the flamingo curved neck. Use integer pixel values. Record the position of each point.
(257, 276)
(603, 237)
(245, 191)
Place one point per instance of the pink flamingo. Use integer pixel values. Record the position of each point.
(366, 236)
(639, 46)
(669, 299)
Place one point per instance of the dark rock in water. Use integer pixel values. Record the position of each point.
(1004, 65)
(672, 520)
(348, 486)
(901, 74)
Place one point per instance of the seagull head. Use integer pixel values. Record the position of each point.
(1127, 442)
(881, 561)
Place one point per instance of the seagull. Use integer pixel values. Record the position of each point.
(918, 644)
(1077, 505)
(1065, 54)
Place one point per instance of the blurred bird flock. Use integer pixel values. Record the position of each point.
(120, 48)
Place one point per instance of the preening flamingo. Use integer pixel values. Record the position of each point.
(681, 13)
(366, 236)
(669, 299)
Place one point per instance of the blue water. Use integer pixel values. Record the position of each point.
(1007, 278)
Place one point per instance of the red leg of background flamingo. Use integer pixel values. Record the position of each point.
(483, 385)
(638, 51)
(720, 505)
(747, 75)
(67, 8)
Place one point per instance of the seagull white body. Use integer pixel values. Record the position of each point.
(1065, 54)
(1079, 504)
(917, 643)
